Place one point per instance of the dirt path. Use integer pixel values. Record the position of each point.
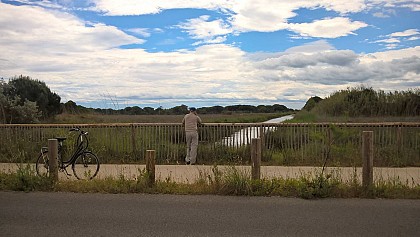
(189, 174)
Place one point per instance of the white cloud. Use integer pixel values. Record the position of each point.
(264, 15)
(343, 6)
(208, 31)
(140, 31)
(385, 13)
(328, 28)
(409, 32)
(245, 15)
(390, 40)
(380, 15)
(413, 38)
(56, 32)
(393, 40)
(312, 47)
(413, 5)
(345, 68)
(242, 15)
(81, 61)
(143, 7)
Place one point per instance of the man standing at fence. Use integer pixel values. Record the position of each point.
(190, 123)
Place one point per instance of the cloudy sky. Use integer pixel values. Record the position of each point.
(114, 54)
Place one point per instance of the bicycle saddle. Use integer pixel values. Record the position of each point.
(60, 139)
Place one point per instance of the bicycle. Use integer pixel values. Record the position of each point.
(84, 163)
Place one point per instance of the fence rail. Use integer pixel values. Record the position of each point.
(395, 144)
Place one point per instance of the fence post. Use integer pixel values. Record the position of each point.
(256, 158)
(150, 166)
(367, 153)
(52, 161)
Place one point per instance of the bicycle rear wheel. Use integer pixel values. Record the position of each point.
(86, 166)
(42, 164)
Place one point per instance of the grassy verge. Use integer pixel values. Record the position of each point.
(230, 182)
(24, 179)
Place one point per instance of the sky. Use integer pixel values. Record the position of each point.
(115, 54)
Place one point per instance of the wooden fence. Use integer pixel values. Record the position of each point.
(338, 144)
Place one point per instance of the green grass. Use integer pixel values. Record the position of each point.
(229, 182)
(25, 179)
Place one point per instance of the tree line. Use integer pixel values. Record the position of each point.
(27, 100)
(72, 108)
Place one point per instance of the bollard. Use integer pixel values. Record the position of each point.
(256, 158)
(367, 153)
(150, 166)
(52, 161)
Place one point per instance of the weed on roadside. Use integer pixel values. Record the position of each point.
(229, 181)
(25, 179)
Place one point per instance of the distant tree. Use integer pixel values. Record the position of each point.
(280, 108)
(137, 110)
(263, 109)
(181, 109)
(4, 103)
(149, 110)
(24, 89)
(211, 110)
(159, 110)
(311, 103)
(12, 110)
(25, 113)
(241, 108)
(70, 107)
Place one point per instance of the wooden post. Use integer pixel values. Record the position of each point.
(256, 158)
(150, 165)
(367, 153)
(52, 161)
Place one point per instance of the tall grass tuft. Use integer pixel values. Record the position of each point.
(25, 179)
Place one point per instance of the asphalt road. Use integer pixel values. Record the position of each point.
(71, 214)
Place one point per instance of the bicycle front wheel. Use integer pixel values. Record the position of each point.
(86, 166)
(42, 164)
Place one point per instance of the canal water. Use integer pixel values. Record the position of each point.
(244, 136)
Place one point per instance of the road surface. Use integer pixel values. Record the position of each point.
(76, 214)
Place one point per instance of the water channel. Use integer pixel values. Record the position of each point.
(244, 136)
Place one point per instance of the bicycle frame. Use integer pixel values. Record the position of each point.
(84, 163)
(81, 148)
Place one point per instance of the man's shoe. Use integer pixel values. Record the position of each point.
(188, 162)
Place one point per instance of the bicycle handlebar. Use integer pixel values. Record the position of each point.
(78, 129)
